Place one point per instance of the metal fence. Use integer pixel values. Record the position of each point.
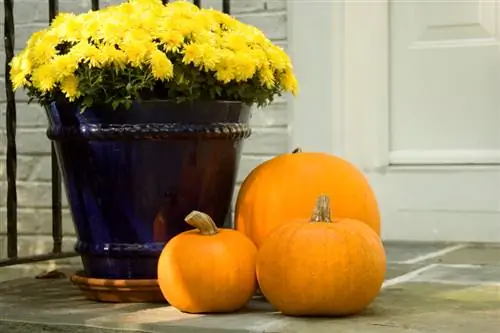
(11, 158)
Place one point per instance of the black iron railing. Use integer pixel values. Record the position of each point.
(11, 158)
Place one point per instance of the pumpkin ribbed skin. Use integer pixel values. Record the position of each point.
(212, 271)
(321, 268)
(285, 188)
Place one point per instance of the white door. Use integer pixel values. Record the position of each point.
(420, 113)
(444, 121)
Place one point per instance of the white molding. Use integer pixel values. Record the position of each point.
(366, 81)
(461, 227)
(444, 157)
(314, 33)
(343, 72)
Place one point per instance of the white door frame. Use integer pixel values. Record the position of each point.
(343, 103)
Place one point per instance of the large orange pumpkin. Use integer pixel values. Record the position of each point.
(322, 268)
(207, 270)
(285, 188)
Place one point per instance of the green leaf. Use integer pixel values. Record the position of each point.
(115, 104)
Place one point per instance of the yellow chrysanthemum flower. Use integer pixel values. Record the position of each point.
(142, 42)
(44, 48)
(210, 58)
(110, 31)
(44, 77)
(224, 19)
(35, 37)
(277, 57)
(136, 53)
(18, 80)
(161, 66)
(266, 77)
(110, 55)
(225, 75)
(68, 26)
(141, 4)
(64, 65)
(69, 86)
(137, 45)
(237, 42)
(93, 22)
(245, 66)
(183, 8)
(289, 82)
(20, 67)
(86, 53)
(193, 54)
(172, 40)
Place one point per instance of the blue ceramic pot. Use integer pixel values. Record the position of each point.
(131, 176)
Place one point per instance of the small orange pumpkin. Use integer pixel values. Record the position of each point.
(207, 270)
(285, 188)
(322, 268)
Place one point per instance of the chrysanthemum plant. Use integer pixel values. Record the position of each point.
(142, 49)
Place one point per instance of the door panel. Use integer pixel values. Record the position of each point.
(439, 203)
(445, 82)
(443, 178)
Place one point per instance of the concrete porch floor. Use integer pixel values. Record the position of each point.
(445, 288)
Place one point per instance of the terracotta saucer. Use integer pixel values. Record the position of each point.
(118, 291)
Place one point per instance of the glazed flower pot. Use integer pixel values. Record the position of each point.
(132, 175)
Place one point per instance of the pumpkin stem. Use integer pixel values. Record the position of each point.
(202, 222)
(321, 212)
(296, 150)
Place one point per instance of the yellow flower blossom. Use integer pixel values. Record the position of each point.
(92, 26)
(224, 19)
(64, 65)
(69, 86)
(193, 54)
(20, 67)
(18, 80)
(68, 26)
(136, 53)
(161, 66)
(237, 42)
(225, 75)
(110, 55)
(44, 48)
(44, 77)
(244, 65)
(87, 53)
(289, 82)
(225, 71)
(183, 8)
(110, 31)
(259, 56)
(172, 40)
(210, 58)
(277, 57)
(204, 37)
(35, 37)
(142, 42)
(266, 77)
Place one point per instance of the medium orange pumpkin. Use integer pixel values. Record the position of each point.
(322, 268)
(207, 270)
(284, 188)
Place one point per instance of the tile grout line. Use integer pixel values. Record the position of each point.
(470, 266)
(408, 276)
(432, 255)
(460, 283)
